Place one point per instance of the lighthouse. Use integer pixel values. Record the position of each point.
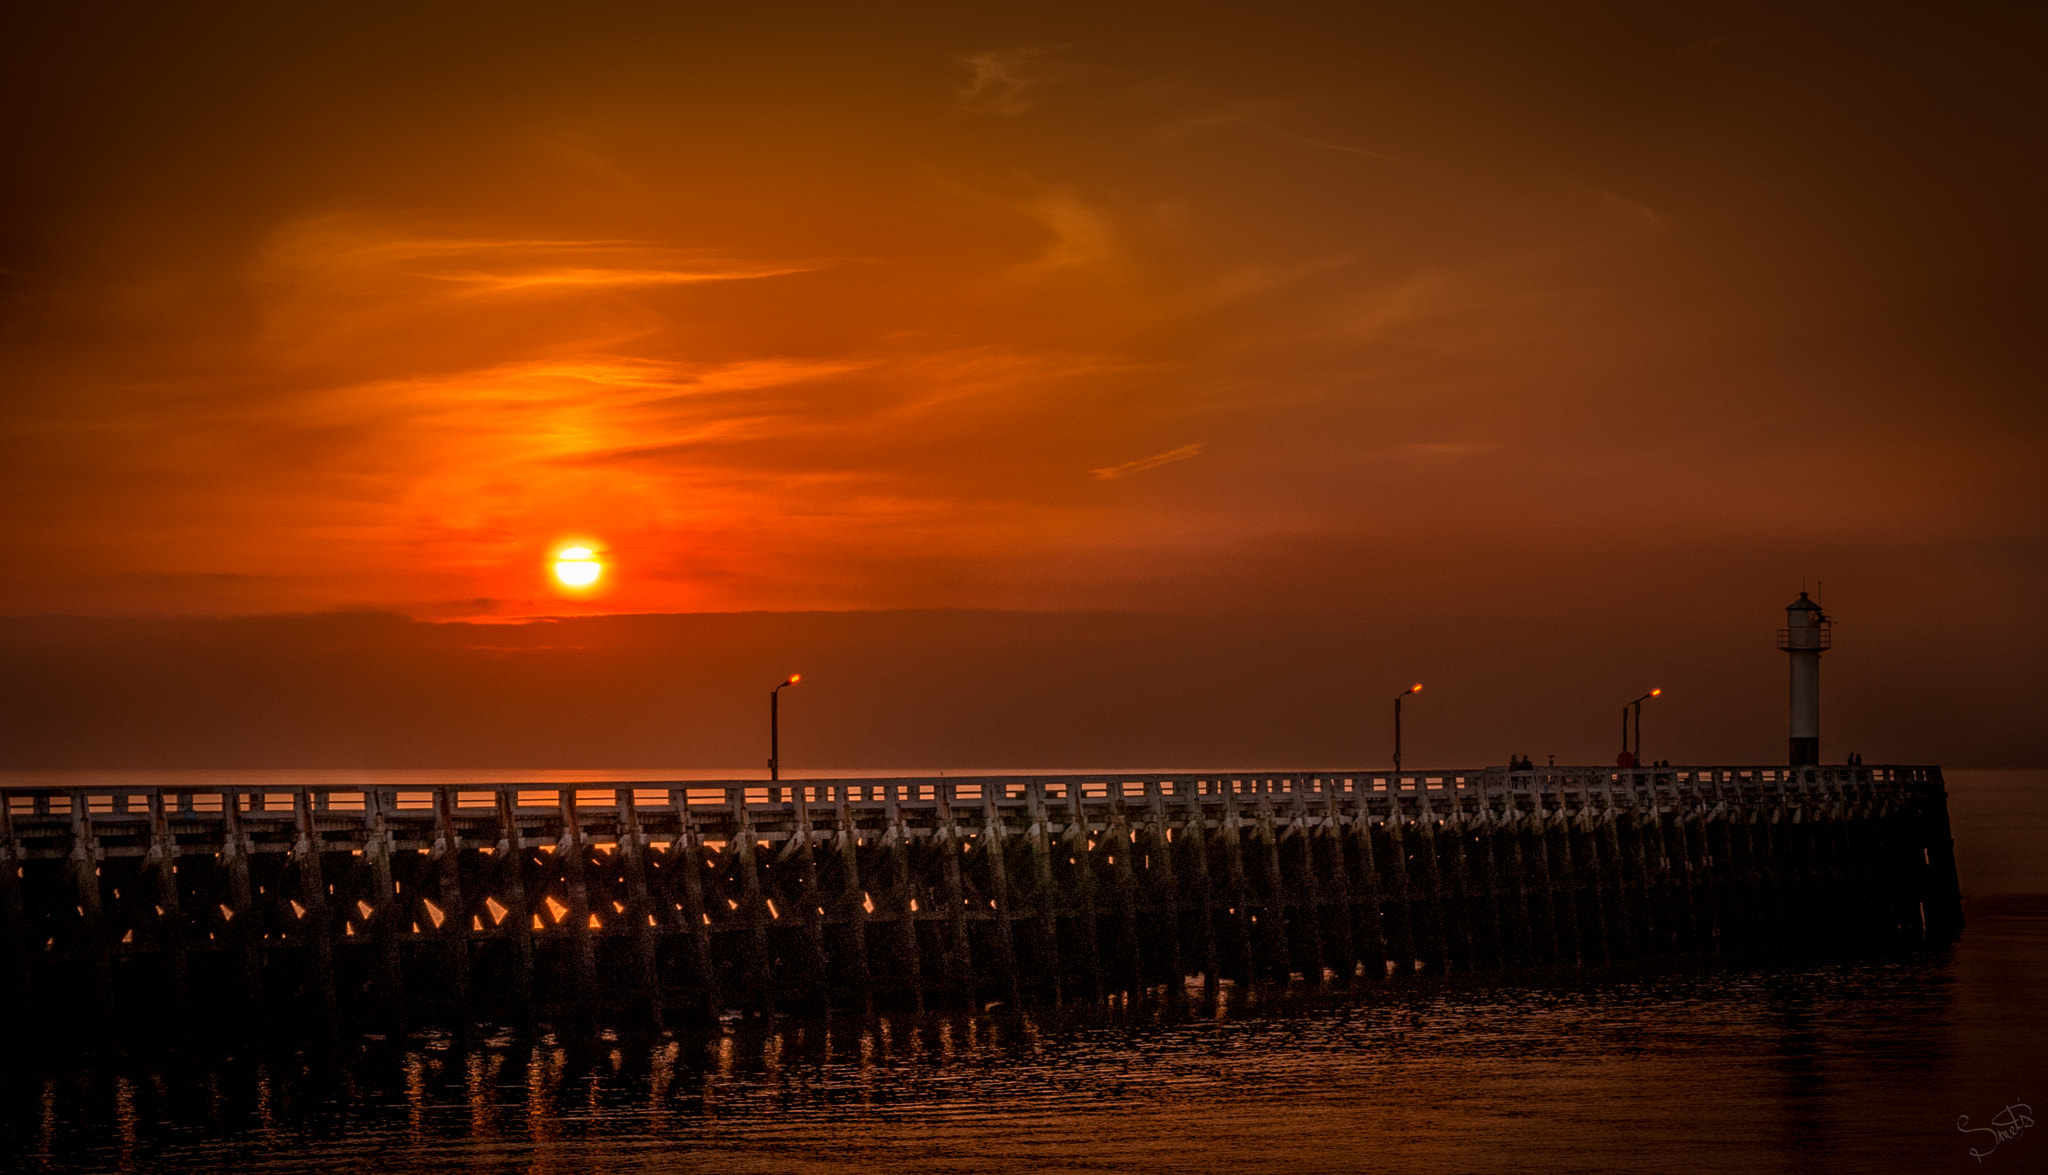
(1805, 636)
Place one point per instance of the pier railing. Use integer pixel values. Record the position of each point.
(46, 821)
(387, 904)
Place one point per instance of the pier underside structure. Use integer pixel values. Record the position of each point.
(175, 912)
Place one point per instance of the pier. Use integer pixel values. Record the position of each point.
(209, 912)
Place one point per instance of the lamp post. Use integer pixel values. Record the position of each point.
(1638, 704)
(1397, 729)
(775, 727)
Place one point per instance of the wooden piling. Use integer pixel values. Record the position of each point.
(171, 932)
(313, 930)
(516, 926)
(569, 859)
(1614, 871)
(1307, 895)
(643, 926)
(16, 946)
(903, 898)
(754, 912)
(1078, 843)
(1236, 890)
(811, 894)
(959, 960)
(1595, 922)
(1460, 898)
(1045, 901)
(853, 903)
(1370, 919)
(1275, 952)
(993, 846)
(689, 850)
(385, 923)
(1435, 946)
(89, 941)
(1163, 899)
(242, 920)
(1122, 843)
(1194, 845)
(1489, 952)
(1405, 935)
(452, 936)
(1328, 837)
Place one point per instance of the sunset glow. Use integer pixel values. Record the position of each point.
(1411, 319)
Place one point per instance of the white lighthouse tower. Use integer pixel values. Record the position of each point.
(1807, 633)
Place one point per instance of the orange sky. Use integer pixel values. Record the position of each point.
(1251, 308)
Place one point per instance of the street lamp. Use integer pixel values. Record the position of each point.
(1638, 704)
(1397, 728)
(775, 727)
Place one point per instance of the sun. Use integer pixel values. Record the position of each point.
(576, 567)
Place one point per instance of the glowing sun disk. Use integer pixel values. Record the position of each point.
(577, 568)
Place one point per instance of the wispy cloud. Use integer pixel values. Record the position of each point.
(1145, 463)
(1004, 81)
(349, 249)
(602, 277)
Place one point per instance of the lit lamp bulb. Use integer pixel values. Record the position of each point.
(576, 567)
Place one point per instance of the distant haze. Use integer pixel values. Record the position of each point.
(961, 690)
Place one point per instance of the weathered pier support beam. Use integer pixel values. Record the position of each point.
(993, 846)
(570, 853)
(1307, 892)
(959, 961)
(241, 919)
(1163, 900)
(516, 926)
(815, 981)
(384, 922)
(1434, 948)
(88, 943)
(753, 907)
(1045, 901)
(696, 917)
(1326, 843)
(1236, 889)
(1374, 953)
(902, 898)
(17, 948)
(1194, 838)
(172, 929)
(453, 928)
(854, 904)
(312, 926)
(1122, 843)
(1079, 846)
(643, 916)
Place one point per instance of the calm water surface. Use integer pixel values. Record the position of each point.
(1843, 1067)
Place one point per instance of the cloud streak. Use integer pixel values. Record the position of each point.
(1128, 468)
(1007, 81)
